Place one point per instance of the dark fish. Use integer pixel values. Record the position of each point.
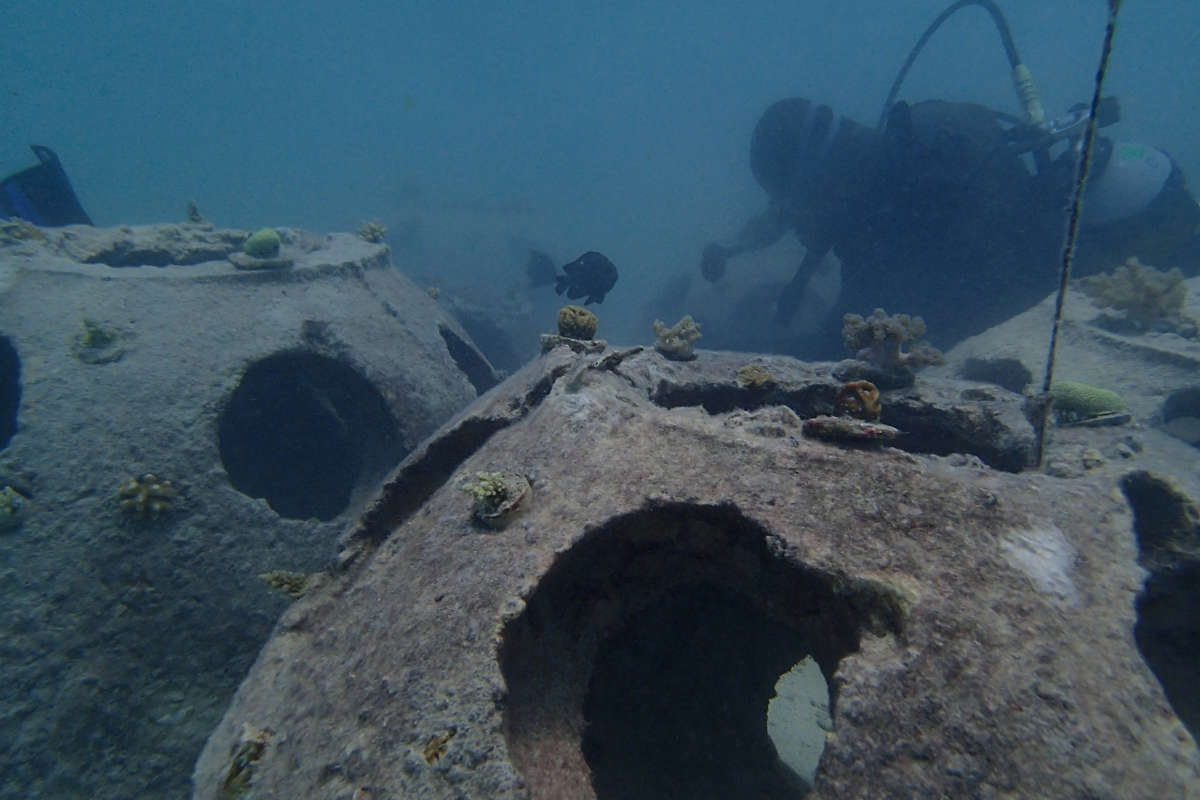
(591, 275)
(540, 269)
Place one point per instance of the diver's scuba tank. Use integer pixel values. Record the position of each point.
(1130, 186)
(1126, 178)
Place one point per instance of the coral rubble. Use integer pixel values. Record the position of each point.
(848, 429)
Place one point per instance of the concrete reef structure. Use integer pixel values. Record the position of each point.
(274, 401)
(974, 627)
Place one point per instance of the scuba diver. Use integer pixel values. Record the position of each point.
(42, 194)
(935, 212)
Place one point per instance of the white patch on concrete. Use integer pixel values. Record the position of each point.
(798, 717)
(1046, 557)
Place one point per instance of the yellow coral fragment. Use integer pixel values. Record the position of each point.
(576, 322)
(755, 376)
(677, 342)
(437, 746)
(372, 231)
(146, 496)
(294, 584)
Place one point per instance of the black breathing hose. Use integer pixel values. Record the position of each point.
(1020, 74)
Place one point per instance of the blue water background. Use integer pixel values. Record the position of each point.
(616, 126)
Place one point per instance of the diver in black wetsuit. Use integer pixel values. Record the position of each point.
(935, 214)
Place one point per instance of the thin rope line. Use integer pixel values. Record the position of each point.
(1068, 253)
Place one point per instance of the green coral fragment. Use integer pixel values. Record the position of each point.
(12, 505)
(755, 376)
(498, 496)
(246, 754)
(146, 497)
(98, 344)
(294, 584)
(263, 243)
(1075, 401)
(678, 341)
(576, 322)
(372, 231)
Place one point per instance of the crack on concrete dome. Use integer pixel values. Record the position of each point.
(643, 662)
(10, 389)
(478, 371)
(304, 431)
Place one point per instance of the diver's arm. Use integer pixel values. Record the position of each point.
(760, 231)
(793, 292)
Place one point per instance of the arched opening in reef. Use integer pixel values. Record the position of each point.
(1181, 414)
(10, 389)
(645, 660)
(303, 431)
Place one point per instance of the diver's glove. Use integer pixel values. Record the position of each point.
(712, 262)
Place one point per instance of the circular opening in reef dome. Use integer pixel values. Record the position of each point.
(674, 653)
(304, 431)
(10, 389)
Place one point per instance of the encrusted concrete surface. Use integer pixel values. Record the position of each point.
(273, 401)
(683, 547)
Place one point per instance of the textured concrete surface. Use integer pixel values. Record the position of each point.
(273, 400)
(684, 547)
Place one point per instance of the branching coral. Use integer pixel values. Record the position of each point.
(372, 231)
(1147, 298)
(146, 496)
(879, 339)
(678, 341)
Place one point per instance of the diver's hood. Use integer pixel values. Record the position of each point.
(790, 142)
(1129, 178)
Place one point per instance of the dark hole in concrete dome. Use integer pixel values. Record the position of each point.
(304, 431)
(660, 637)
(1168, 608)
(1181, 414)
(10, 389)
